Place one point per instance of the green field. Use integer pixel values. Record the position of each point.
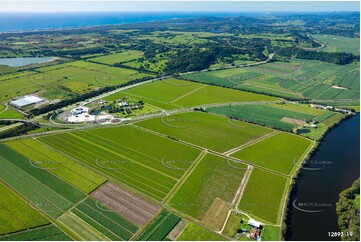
(264, 195)
(162, 93)
(195, 232)
(300, 108)
(215, 95)
(214, 177)
(160, 227)
(45, 157)
(173, 93)
(43, 190)
(119, 57)
(64, 80)
(44, 233)
(204, 129)
(335, 43)
(251, 79)
(280, 152)
(79, 229)
(16, 214)
(301, 79)
(105, 221)
(263, 115)
(120, 153)
(10, 114)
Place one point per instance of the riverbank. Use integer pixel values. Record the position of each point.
(330, 168)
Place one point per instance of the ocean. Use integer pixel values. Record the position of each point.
(11, 22)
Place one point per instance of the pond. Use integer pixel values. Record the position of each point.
(23, 61)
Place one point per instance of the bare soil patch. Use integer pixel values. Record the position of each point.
(127, 204)
(293, 121)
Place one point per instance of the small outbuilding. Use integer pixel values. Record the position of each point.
(254, 223)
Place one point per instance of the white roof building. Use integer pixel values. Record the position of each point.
(26, 100)
(254, 223)
(79, 110)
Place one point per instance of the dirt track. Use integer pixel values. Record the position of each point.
(126, 203)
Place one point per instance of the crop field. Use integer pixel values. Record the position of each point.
(299, 79)
(119, 57)
(266, 202)
(164, 91)
(195, 232)
(262, 114)
(43, 233)
(276, 68)
(213, 94)
(152, 169)
(45, 157)
(160, 227)
(335, 43)
(127, 204)
(226, 78)
(204, 129)
(214, 177)
(171, 93)
(247, 79)
(16, 214)
(79, 229)
(104, 220)
(43, 190)
(325, 116)
(300, 108)
(280, 152)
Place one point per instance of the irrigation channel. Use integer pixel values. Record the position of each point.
(330, 170)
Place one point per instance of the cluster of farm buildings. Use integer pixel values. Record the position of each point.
(331, 108)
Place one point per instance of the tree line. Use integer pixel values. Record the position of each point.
(348, 212)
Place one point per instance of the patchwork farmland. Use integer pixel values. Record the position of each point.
(301, 79)
(107, 185)
(184, 129)
(181, 168)
(137, 166)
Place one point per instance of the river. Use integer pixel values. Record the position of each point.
(330, 170)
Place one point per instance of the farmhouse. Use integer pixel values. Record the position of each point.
(26, 100)
(255, 234)
(255, 231)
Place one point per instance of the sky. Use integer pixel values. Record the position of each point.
(179, 6)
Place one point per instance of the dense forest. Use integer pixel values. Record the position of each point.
(348, 211)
